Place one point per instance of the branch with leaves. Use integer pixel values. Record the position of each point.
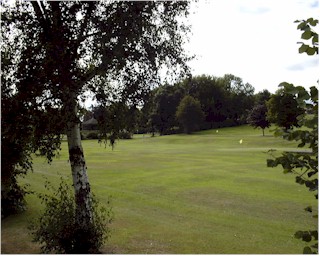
(304, 163)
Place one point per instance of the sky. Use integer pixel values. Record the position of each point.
(255, 40)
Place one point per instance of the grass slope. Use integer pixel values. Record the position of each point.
(201, 193)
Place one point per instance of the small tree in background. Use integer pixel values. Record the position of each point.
(189, 114)
(258, 117)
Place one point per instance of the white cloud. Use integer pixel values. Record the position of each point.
(253, 39)
(301, 66)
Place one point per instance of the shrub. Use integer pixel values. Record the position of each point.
(124, 134)
(12, 198)
(93, 136)
(56, 229)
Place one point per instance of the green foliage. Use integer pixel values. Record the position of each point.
(224, 102)
(165, 103)
(189, 114)
(258, 117)
(125, 135)
(212, 96)
(116, 121)
(54, 51)
(262, 97)
(240, 98)
(303, 163)
(92, 136)
(308, 34)
(283, 109)
(24, 131)
(13, 198)
(56, 229)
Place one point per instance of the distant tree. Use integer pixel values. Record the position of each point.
(224, 102)
(235, 85)
(166, 101)
(189, 114)
(262, 97)
(240, 97)
(283, 110)
(258, 117)
(145, 124)
(86, 114)
(116, 120)
(63, 48)
(211, 94)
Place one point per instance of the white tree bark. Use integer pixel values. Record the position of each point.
(79, 174)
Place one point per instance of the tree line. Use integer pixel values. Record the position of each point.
(197, 103)
(215, 102)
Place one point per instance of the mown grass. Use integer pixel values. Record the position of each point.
(201, 193)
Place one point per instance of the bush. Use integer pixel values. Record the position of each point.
(12, 199)
(125, 135)
(93, 136)
(56, 229)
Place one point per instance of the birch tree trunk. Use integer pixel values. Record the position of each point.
(81, 184)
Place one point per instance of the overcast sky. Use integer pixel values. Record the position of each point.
(255, 40)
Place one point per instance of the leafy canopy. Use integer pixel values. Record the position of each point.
(189, 113)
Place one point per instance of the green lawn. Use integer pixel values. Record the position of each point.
(202, 194)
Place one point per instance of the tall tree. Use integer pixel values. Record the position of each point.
(240, 97)
(212, 96)
(22, 130)
(189, 114)
(166, 101)
(116, 119)
(257, 116)
(63, 49)
(283, 109)
(262, 97)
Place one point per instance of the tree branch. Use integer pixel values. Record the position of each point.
(86, 19)
(82, 38)
(89, 75)
(40, 13)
